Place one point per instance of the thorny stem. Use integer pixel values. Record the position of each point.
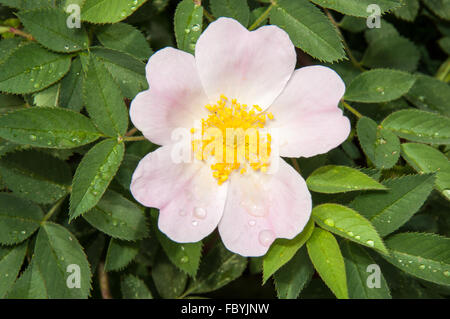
(351, 109)
(261, 17)
(346, 47)
(133, 138)
(103, 281)
(27, 36)
(53, 209)
(131, 132)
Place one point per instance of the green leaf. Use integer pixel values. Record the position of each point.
(219, 267)
(389, 210)
(49, 27)
(56, 249)
(188, 25)
(108, 11)
(426, 159)
(48, 96)
(444, 43)
(423, 255)
(48, 127)
(353, 24)
(380, 85)
(9, 103)
(357, 7)
(389, 52)
(439, 7)
(236, 9)
(419, 126)
(120, 254)
(408, 11)
(283, 250)
(357, 261)
(185, 257)
(11, 260)
(118, 217)
(71, 90)
(27, 4)
(430, 94)
(169, 280)
(126, 38)
(134, 288)
(93, 175)
(104, 101)
(8, 46)
(126, 170)
(333, 179)
(294, 276)
(36, 176)
(347, 223)
(128, 71)
(327, 259)
(386, 30)
(32, 68)
(19, 219)
(380, 145)
(309, 29)
(30, 285)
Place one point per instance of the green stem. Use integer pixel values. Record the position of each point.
(208, 15)
(351, 109)
(21, 33)
(261, 17)
(133, 138)
(53, 209)
(346, 47)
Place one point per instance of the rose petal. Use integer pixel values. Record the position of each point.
(252, 67)
(262, 207)
(191, 202)
(175, 98)
(307, 117)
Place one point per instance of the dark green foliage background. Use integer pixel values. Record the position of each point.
(68, 150)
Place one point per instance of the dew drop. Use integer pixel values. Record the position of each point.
(182, 212)
(195, 223)
(187, 31)
(422, 267)
(266, 237)
(357, 237)
(254, 209)
(252, 222)
(199, 212)
(371, 243)
(446, 273)
(350, 234)
(329, 222)
(115, 223)
(184, 259)
(33, 137)
(66, 47)
(195, 27)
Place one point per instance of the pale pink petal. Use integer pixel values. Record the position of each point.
(191, 202)
(262, 207)
(252, 67)
(175, 98)
(307, 117)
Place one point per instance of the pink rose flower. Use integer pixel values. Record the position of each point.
(244, 79)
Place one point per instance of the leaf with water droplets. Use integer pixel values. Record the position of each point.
(19, 219)
(219, 267)
(423, 255)
(236, 9)
(380, 145)
(32, 68)
(379, 85)
(108, 11)
(133, 287)
(357, 261)
(294, 276)
(188, 25)
(35, 175)
(49, 27)
(389, 210)
(55, 251)
(93, 175)
(283, 250)
(426, 159)
(120, 254)
(333, 179)
(118, 217)
(327, 259)
(185, 256)
(11, 260)
(347, 223)
(419, 126)
(104, 100)
(169, 280)
(358, 8)
(26, 4)
(48, 127)
(71, 89)
(124, 37)
(30, 285)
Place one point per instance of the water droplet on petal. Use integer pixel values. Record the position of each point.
(266, 237)
(182, 212)
(254, 209)
(199, 212)
(194, 223)
(252, 222)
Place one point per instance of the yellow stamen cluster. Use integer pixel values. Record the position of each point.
(235, 142)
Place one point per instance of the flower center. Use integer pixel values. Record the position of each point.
(233, 136)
